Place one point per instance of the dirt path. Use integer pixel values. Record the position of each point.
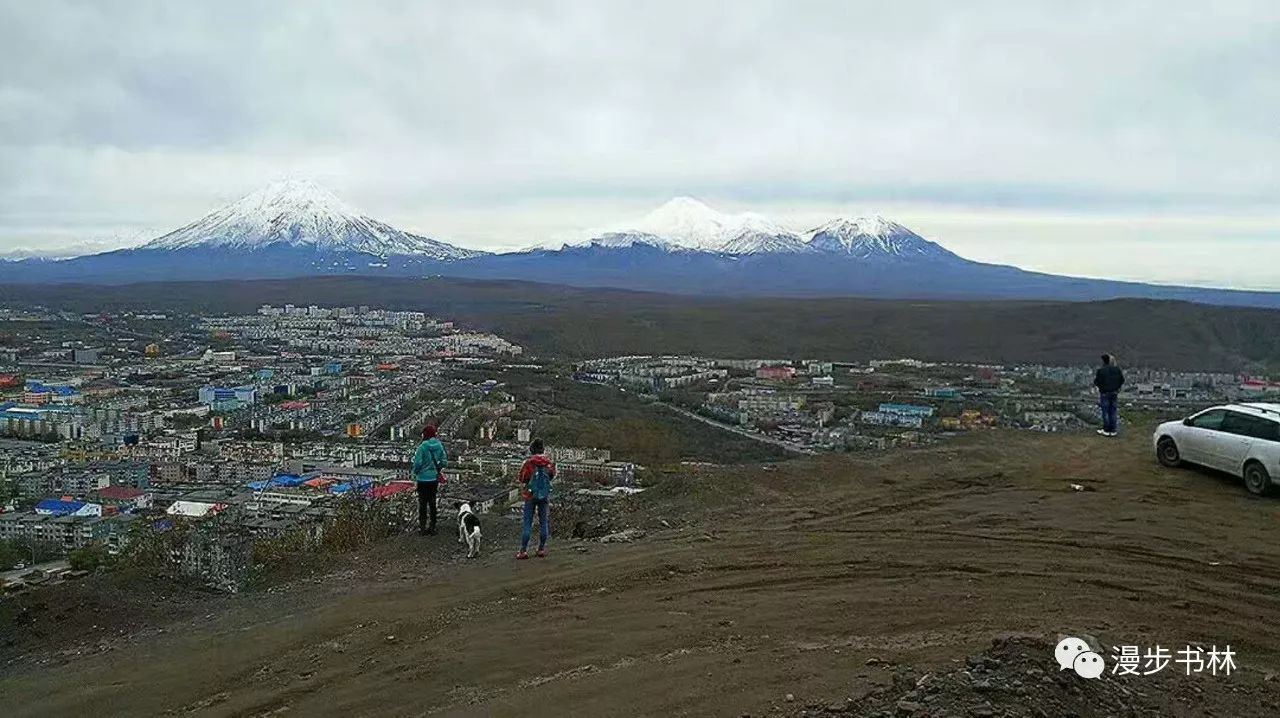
(826, 580)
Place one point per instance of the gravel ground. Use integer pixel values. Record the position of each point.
(929, 582)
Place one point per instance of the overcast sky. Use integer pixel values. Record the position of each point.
(1124, 139)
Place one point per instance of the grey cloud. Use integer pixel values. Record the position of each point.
(120, 114)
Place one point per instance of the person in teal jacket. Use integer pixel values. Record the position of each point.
(428, 464)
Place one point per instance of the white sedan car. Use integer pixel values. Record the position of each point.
(1240, 439)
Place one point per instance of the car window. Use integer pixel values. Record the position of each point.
(1210, 419)
(1253, 426)
(1240, 424)
(1265, 429)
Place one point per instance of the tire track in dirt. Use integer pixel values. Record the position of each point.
(789, 587)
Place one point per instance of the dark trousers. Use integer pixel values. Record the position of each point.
(426, 505)
(1109, 403)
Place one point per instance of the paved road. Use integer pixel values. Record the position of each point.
(788, 445)
(47, 566)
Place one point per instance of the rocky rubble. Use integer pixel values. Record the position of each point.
(1017, 677)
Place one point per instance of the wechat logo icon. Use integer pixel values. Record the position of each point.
(1075, 654)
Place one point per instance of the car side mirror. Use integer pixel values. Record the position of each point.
(1186, 421)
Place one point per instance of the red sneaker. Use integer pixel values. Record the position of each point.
(542, 553)
(522, 556)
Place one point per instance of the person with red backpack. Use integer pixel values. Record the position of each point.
(535, 488)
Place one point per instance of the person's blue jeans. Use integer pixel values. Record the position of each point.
(1110, 404)
(544, 525)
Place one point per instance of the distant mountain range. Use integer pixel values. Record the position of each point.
(296, 228)
(286, 229)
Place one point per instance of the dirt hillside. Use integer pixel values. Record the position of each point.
(930, 582)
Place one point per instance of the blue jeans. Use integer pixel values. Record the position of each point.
(1110, 405)
(544, 523)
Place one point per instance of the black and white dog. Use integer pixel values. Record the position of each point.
(469, 529)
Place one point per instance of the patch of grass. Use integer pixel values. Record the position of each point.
(573, 322)
(632, 427)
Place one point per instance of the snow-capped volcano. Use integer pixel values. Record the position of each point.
(295, 229)
(686, 223)
(873, 237)
(301, 214)
(631, 239)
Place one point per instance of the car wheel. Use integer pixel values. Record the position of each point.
(1256, 479)
(1167, 453)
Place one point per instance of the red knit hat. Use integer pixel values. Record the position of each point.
(428, 431)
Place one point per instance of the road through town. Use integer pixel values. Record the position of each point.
(788, 445)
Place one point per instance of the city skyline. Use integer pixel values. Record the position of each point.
(1128, 143)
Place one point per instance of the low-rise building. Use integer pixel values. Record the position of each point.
(907, 410)
(766, 403)
(776, 372)
(194, 509)
(66, 532)
(885, 418)
(123, 498)
(61, 507)
(224, 396)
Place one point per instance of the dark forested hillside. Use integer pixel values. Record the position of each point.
(576, 322)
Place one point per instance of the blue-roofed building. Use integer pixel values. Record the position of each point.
(34, 386)
(58, 507)
(228, 395)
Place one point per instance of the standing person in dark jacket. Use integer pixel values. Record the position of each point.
(428, 462)
(1109, 379)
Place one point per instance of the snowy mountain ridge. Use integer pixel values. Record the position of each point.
(685, 224)
(295, 229)
(866, 237)
(301, 214)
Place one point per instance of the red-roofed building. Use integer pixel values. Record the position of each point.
(776, 372)
(1252, 388)
(390, 488)
(123, 498)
